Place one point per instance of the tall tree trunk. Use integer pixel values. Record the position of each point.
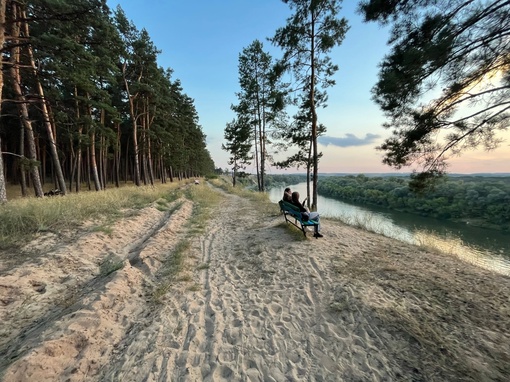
(79, 152)
(262, 132)
(117, 156)
(103, 150)
(314, 116)
(72, 164)
(93, 161)
(22, 106)
(255, 144)
(23, 173)
(148, 145)
(47, 124)
(3, 192)
(135, 130)
(88, 167)
(126, 160)
(262, 128)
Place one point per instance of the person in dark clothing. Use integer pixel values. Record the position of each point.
(287, 195)
(311, 215)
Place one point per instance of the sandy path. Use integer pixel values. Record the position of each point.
(257, 302)
(260, 313)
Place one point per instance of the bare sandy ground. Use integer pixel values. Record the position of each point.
(255, 301)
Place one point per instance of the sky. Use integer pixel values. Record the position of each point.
(200, 40)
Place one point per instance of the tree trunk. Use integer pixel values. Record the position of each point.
(23, 173)
(23, 108)
(79, 154)
(103, 150)
(148, 145)
(256, 151)
(135, 132)
(72, 162)
(314, 117)
(262, 132)
(93, 162)
(117, 156)
(3, 192)
(44, 109)
(88, 166)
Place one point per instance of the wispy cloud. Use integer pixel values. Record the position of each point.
(348, 141)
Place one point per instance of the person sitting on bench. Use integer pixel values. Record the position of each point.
(287, 195)
(311, 215)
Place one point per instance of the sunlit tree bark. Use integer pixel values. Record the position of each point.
(22, 102)
(3, 4)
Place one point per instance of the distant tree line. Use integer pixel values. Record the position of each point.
(479, 200)
(84, 102)
(284, 180)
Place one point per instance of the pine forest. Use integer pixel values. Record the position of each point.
(85, 104)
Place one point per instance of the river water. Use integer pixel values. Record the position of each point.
(489, 249)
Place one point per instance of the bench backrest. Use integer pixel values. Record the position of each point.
(289, 207)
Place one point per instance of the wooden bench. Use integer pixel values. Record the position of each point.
(290, 211)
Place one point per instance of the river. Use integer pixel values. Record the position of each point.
(486, 248)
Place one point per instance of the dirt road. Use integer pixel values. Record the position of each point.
(252, 301)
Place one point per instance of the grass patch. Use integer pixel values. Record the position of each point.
(194, 288)
(172, 266)
(106, 229)
(110, 264)
(23, 218)
(204, 200)
(265, 206)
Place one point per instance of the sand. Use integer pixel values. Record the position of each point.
(255, 301)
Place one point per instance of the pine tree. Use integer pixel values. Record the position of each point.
(261, 99)
(445, 85)
(237, 135)
(309, 35)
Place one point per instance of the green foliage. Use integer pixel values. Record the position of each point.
(310, 34)
(483, 201)
(446, 83)
(261, 101)
(104, 91)
(238, 144)
(284, 180)
(110, 264)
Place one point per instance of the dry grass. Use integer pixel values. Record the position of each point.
(23, 218)
(180, 263)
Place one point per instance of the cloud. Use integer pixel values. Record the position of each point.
(348, 141)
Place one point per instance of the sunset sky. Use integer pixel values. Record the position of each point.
(201, 41)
